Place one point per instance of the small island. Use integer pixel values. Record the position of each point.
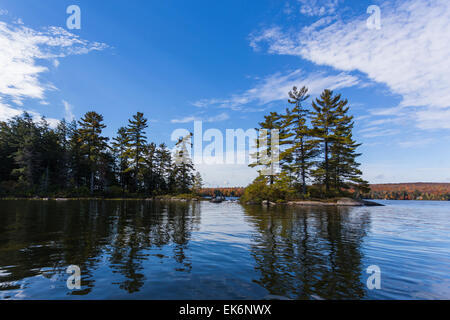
(316, 154)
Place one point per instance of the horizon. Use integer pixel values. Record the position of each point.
(128, 58)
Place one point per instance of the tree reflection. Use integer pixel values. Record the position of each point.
(44, 238)
(315, 252)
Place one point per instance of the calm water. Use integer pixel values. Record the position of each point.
(155, 250)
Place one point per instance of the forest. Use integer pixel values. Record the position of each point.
(75, 159)
(317, 153)
(410, 191)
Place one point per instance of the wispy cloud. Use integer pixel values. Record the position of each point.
(375, 132)
(220, 117)
(276, 87)
(68, 111)
(409, 53)
(318, 7)
(22, 60)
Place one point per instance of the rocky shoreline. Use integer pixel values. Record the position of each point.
(344, 202)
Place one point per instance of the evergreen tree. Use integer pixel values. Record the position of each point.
(182, 174)
(163, 167)
(326, 111)
(136, 145)
(345, 170)
(119, 146)
(150, 169)
(268, 144)
(93, 144)
(198, 183)
(304, 147)
(25, 137)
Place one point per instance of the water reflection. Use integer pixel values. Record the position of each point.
(43, 238)
(178, 250)
(305, 253)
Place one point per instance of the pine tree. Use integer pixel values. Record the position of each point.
(136, 145)
(324, 120)
(63, 132)
(346, 173)
(182, 174)
(25, 135)
(150, 174)
(304, 146)
(272, 134)
(163, 167)
(119, 146)
(198, 183)
(93, 144)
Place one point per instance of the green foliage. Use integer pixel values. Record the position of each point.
(75, 160)
(317, 146)
(259, 190)
(136, 144)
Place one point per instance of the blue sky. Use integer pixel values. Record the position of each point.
(230, 62)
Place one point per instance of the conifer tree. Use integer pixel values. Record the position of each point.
(326, 110)
(304, 147)
(271, 134)
(136, 145)
(182, 174)
(25, 135)
(119, 145)
(198, 183)
(93, 144)
(345, 170)
(150, 172)
(163, 167)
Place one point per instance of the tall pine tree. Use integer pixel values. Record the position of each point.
(93, 144)
(136, 145)
(304, 147)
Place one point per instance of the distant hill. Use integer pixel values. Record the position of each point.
(392, 191)
(410, 191)
(227, 192)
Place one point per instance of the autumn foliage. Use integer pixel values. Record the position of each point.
(410, 191)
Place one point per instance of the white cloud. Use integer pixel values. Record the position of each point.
(375, 132)
(226, 175)
(68, 111)
(22, 54)
(410, 54)
(318, 7)
(6, 112)
(433, 118)
(220, 117)
(417, 142)
(276, 87)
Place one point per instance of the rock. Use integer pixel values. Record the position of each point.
(265, 203)
(272, 204)
(372, 204)
(349, 202)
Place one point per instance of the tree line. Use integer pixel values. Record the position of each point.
(76, 159)
(316, 151)
(410, 191)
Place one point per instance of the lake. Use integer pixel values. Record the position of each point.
(177, 250)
